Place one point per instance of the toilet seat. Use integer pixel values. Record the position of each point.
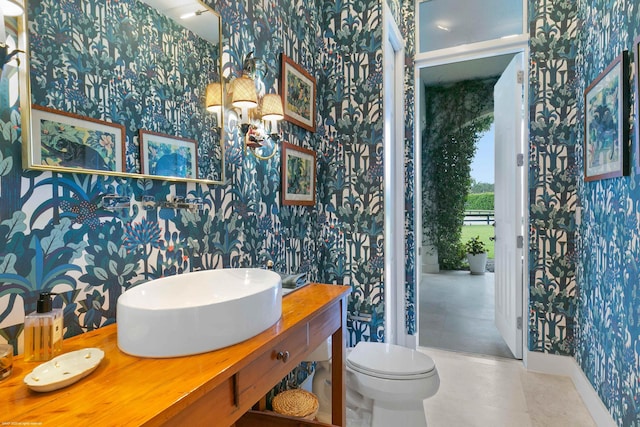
(388, 361)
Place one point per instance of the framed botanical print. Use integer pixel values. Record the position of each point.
(298, 95)
(168, 156)
(72, 143)
(298, 175)
(606, 122)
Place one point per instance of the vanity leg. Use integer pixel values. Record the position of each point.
(261, 404)
(338, 357)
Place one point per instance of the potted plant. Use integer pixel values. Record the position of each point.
(476, 255)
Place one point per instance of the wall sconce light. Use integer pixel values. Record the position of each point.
(257, 137)
(244, 97)
(272, 111)
(213, 102)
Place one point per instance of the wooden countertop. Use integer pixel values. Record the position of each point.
(126, 390)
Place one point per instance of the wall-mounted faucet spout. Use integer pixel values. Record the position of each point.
(192, 204)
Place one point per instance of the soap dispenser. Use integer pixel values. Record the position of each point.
(43, 331)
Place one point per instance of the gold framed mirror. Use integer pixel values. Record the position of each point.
(130, 88)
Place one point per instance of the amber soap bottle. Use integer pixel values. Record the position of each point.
(43, 331)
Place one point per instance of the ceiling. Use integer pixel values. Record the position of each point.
(466, 70)
(449, 23)
(441, 24)
(205, 24)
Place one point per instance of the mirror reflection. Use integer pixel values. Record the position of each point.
(125, 88)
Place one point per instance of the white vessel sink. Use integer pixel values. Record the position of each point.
(197, 312)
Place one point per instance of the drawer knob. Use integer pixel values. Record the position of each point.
(283, 355)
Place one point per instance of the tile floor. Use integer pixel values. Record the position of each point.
(456, 312)
(481, 391)
(481, 385)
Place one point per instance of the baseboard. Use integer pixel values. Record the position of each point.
(599, 412)
(549, 363)
(568, 366)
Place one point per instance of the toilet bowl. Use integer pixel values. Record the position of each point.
(396, 379)
(386, 384)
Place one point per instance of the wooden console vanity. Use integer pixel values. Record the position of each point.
(210, 389)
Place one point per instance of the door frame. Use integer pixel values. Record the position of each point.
(394, 174)
(463, 53)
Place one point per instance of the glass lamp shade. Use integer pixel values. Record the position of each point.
(272, 107)
(244, 94)
(214, 97)
(11, 7)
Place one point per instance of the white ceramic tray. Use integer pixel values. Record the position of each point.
(64, 370)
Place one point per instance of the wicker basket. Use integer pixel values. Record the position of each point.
(296, 403)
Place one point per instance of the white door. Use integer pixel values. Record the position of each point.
(508, 119)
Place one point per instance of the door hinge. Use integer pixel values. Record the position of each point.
(520, 159)
(519, 322)
(520, 242)
(520, 77)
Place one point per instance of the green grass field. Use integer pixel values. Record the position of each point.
(484, 231)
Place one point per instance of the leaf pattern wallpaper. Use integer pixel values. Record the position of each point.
(55, 235)
(132, 66)
(584, 278)
(405, 14)
(608, 310)
(553, 173)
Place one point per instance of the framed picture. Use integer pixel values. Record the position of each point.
(298, 175)
(69, 142)
(606, 122)
(168, 156)
(298, 95)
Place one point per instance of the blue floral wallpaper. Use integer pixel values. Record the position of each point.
(56, 236)
(405, 14)
(608, 310)
(553, 172)
(351, 191)
(584, 278)
(124, 62)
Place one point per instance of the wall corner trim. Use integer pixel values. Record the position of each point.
(568, 366)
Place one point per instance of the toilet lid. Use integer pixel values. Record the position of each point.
(389, 361)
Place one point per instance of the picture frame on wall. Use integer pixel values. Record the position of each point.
(298, 89)
(606, 122)
(298, 175)
(167, 155)
(69, 142)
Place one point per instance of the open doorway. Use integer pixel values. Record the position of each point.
(457, 310)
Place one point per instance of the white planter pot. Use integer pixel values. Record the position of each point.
(477, 263)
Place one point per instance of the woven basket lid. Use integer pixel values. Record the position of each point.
(295, 403)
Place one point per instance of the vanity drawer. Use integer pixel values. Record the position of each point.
(217, 407)
(273, 365)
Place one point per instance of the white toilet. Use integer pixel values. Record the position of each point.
(386, 385)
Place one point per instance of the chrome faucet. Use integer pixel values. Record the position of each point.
(192, 204)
